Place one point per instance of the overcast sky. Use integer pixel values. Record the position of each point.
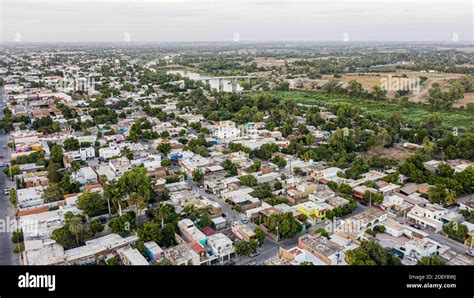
(219, 20)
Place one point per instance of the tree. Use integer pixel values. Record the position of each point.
(285, 225)
(230, 167)
(138, 201)
(75, 226)
(260, 235)
(96, 226)
(345, 189)
(127, 153)
(248, 180)
(277, 185)
(114, 193)
(379, 93)
(75, 167)
(53, 193)
(244, 248)
(163, 211)
(431, 260)
(166, 163)
(168, 232)
(122, 225)
(67, 185)
(91, 203)
(371, 253)
(71, 144)
(17, 236)
(63, 237)
(164, 148)
(53, 172)
(12, 170)
(57, 154)
(456, 231)
(373, 198)
(255, 167)
(150, 232)
(281, 162)
(198, 175)
(12, 196)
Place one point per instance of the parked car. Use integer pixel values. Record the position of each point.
(416, 226)
(254, 254)
(245, 220)
(470, 253)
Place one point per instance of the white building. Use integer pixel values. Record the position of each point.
(31, 196)
(226, 131)
(221, 246)
(132, 257)
(428, 216)
(109, 152)
(190, 232)
(120, 165)
(419, 248)
(85, 175)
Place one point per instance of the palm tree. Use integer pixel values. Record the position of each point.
(162, 212)
(75, 226)
(139, 202)
(103, 182)
(75, 167)
(191, 211)
(113, 192)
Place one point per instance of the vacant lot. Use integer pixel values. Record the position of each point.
(398, 153)
(468, 98)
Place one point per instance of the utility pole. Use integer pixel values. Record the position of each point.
(10, 168)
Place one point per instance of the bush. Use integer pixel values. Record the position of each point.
(112, 262)
(323, 232)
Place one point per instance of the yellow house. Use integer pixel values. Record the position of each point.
(313, 211)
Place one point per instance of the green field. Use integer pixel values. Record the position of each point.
(462, 119)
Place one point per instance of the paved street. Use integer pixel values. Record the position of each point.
(453, 244)
(230, 214)
(465, 198)
(268, 250)
(7, 212)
